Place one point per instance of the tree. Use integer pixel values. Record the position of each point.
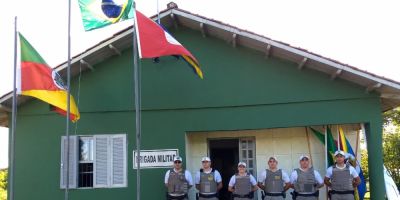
(391, 143)
(364, 163)
(3, 179)
(3, 184)
(392, 117)
(391, 154)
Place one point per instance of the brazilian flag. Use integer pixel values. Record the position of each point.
(101, 13)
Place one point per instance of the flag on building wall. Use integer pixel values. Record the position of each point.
(331, 146)
(36, 79)
(154, 41)
(318, 135)
(346, 147)
(101, 13)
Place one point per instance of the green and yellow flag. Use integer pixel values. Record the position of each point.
(101, 13)
(331, 146)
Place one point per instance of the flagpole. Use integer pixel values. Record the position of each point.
(136, 75)
(357, 141)
(326, 147)
(309, 146)
(66, 191)
(158, 12)
(13, 120)
(326, 156)
(363, 133)
(338, 137)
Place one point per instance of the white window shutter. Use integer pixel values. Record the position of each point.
(118, 161)
(73, 162)
(101, 166)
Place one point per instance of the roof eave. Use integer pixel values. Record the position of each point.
(389, 89)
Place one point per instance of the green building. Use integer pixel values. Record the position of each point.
(256, 100)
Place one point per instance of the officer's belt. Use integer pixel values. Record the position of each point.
(342, 192)
(274, 194)
(249, 195)
(315, 194)
(208, 195)
(177, 197)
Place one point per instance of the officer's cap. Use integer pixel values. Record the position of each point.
(304, 156)
(340, 153)
(272, 158)
(205, 159)
(178, 158)
(242, 163)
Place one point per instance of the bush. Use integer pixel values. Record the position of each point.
(391, 154)
(3, 184)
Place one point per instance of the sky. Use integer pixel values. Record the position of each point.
(362, 33)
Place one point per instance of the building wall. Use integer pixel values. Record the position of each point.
(241, 91)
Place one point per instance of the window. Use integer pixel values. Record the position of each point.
(85, 169)
(247, 153)
(98, 161)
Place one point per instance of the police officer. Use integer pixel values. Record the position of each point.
(208, 181)
(274, 181)
(341, 178)
(306, 181)
(178, 181)
(242, 184)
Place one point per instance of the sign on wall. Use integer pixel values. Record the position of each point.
(159, 158)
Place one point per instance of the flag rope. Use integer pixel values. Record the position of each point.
(78, 95)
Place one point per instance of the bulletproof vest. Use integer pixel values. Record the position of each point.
(242, 185)
(341, 179)
(274, 182)
(177, 183)
(207, 182)
(305, 181)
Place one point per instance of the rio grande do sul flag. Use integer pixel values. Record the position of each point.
(101, 13)
(36, 79)
(154, 41)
